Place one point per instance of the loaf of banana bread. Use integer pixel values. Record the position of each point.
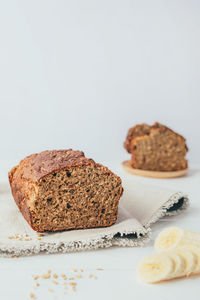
(156, 148)
(62, 190)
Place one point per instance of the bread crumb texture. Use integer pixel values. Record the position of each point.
(63, 190)
(156, 148)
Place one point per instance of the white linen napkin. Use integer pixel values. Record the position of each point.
(140, 206)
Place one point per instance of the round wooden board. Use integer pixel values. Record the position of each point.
(155, 174)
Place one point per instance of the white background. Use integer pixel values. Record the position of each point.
(77, 74)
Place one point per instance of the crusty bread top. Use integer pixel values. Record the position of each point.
(165, 128)
(144, 130)
(36, 166)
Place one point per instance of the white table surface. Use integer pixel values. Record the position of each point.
(118, 279)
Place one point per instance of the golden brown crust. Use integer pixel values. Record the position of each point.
(164, 128)
(36, 166)
(24, 178)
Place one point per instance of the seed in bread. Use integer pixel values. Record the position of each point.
(62, 190)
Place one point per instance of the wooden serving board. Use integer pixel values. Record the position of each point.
(155, 174)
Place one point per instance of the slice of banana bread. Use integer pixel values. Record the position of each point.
(137, 130)
(156, 148)
(62, 190)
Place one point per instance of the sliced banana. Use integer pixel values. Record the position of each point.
(190, 260)
(174, 237)
(196, 251)
(178, 256)
(179, 264)
(155, 268)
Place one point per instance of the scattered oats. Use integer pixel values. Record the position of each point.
(49, 271)
(81, 270)
(39, 238)
(64, 276)
(32, 296)
(15, 256)
(74, 270)
(13, 236)
(92, 276)
(99, 269)
(55, 276)
(71, 278)
(20, 237)
(79, 276)
(72, 283)
(36, 277)
(50, 290)
(40, 234)
(46, 276)
(54, 282)
(37, 284)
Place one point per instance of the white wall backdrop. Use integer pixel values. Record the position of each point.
(77, 74)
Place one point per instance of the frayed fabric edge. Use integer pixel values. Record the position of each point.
(163, 211)
(105, 241)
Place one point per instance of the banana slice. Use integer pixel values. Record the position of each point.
(174, 237)
(179, 264)
(190, 260)
(196, 251)
(155, 268)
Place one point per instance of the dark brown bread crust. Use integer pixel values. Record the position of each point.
(24, 177)
(36, 166)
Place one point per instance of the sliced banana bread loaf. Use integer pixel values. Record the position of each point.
(61, 190)
(156, 148)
